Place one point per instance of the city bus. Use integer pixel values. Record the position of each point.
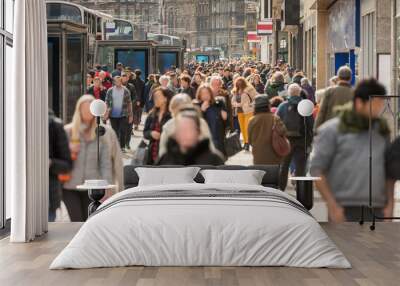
(166, 40)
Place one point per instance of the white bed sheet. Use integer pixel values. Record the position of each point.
(200, 232)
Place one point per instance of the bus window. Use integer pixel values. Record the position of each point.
(119, 30)
(58, 11)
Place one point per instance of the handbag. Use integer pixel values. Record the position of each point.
(232, 143)
(141, 155)
(280, 143)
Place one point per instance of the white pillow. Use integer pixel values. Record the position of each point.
(245, 177)
(166, 176)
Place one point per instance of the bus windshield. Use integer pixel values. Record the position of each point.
(118, 30)
(60, 11)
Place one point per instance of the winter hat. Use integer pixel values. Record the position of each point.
(261, 102)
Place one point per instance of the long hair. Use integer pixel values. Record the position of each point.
(207, 88)
(167, 93)
(77, 120)
(240, 84)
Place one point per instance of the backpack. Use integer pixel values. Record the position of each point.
(280, 143)
(294, 122)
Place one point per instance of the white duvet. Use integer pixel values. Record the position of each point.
(206, 231)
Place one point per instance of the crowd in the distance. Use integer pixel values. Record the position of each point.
(194, 116)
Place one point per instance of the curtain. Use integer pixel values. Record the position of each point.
(27, 123)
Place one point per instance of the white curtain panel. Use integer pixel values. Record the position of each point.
(27, 124)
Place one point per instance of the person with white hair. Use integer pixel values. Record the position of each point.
(220, 93)
(164, 81)
(299, 130)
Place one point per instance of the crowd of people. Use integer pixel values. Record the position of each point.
(192, 111)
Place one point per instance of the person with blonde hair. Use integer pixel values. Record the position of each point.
(243, 94)
(183, 102)
(81, 134)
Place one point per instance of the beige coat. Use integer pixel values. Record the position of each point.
(115, 157)
(260, 138)
(246, 100)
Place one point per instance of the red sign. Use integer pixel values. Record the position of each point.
(265, 28)
(253, 38)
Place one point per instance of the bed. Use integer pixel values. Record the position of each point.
(201, 224)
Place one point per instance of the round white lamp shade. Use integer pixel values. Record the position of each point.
(98, 108)
(305, 107)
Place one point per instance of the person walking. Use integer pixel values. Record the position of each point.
(156, 120)
(214, 112)
(243, 94)
(81, 134)
(147, 89)
(335, 96)
(97, 89)
(185, 86)
(119, 109)
(217, 86)
(275, 86)
(138, 104)
(258, 85)
(118, 70)
(132, 92)
(260, 133)
(340, 157)
(299, 133)
(59, 162)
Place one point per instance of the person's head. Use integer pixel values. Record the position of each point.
(102, 75)
(187, 130)
(256, 78)
(294, 90)
(344, 73)
(198, 78)
(179, 101)
(162, 97)
(261, 104)
(124, 78)
(164, 80)
(216, 83)
(278, 77)
(83, 120)
(240, 84)
(118, 81)
(185, 81)
(97, 81)
(363, 103)
(120, 66)
(276, 101)
(104, 68)
(305, 82)
(227, 72)
(151, 77)
(205, 93)
(138, 73)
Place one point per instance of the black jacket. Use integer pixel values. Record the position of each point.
(103, 92)
(132, 91)
(189, 91)
(149, 126)
(198, 155)
(60, 159)
(139, 85)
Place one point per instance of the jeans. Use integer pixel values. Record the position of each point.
(52, 216)
(300, 160)
(120, 126)
(244, 119)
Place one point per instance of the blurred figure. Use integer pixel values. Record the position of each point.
(183, 102)
(59, 162)
(138, 104)
(197, 80)
(335, 96)
(186, 88)
(309, 89)
(243, 94)
(258, 85)
(340, 157)
(81, 134)
(119, 110)
(106, 80)
(186, 146)
(132, 92)
(164, 81)
(214, 112)
(118, 70)
(275, 86)
(260, 133)
(97, 89)
(156, 120)
(217, 86)
(275, 102)
(147, 89)
(299, 130)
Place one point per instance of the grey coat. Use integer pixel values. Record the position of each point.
(344, 159)
(85, 167)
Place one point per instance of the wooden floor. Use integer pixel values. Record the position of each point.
(375, 257)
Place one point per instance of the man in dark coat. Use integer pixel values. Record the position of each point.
(139, 103)
(59, 161)
(132, 90)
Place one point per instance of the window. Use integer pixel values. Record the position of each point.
(367, 45)
(6, 29)
(57, 11)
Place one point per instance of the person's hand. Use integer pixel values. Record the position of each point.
(205, 105)
(388, 210)
(75, 147)
(336, 213)
(224, 115)
(130, 119)
(156, 135)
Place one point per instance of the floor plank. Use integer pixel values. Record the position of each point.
(375, 257)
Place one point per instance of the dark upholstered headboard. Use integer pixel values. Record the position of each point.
(271, 178)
